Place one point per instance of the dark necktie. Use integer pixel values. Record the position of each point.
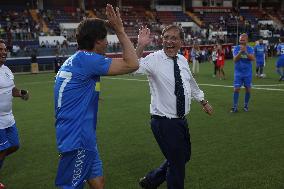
(179, 91)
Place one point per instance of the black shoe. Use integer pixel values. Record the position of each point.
(234, 110)
(144, 183)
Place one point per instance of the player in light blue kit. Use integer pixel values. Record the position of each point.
(76, 95)
(260, 51)
(280, 61)
(243, 58)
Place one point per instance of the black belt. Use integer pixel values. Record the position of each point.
(164, 117)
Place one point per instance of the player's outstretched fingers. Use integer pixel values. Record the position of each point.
(114, 19)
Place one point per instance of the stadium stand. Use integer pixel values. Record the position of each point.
(23, 26)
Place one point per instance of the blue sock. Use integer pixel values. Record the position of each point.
(247, 97)
(236, 99)
(1, 163)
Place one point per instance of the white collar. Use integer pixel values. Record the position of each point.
(166, 57)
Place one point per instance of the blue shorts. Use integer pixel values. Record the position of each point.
(76, 167)
(259, 63)
(239, 81)
(9, 137)
(280, 63)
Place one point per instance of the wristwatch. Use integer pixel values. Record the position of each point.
(203, 102)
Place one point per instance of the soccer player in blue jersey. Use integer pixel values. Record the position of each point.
(243, 58)
(280, 61)
(260, 51)
(76, 95)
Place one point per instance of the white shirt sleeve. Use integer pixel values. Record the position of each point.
(145, 65)
(196, 93)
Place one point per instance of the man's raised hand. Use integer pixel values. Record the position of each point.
(144, 36)
(114, 19)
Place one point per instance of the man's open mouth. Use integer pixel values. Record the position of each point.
(170, 47)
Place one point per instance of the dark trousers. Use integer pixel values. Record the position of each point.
(215, 67)
(259, 69)
(173, 138)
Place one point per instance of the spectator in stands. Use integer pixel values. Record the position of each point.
(33, 55)
(57, 63)
(58, 47)
(203, 55)
(270, 48)
(9, 139)
(64, 48)
(76, 94)
(186, 54)
(47, 44)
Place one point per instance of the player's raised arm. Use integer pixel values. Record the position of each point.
(129, 61)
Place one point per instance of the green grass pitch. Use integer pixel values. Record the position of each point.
(229, 151)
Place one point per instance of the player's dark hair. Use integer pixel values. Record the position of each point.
(2, 41)
(181, 32)
(89, 31)
(282, 39)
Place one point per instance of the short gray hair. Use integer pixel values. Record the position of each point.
(181, 32)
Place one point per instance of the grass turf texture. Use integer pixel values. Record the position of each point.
(229, 151)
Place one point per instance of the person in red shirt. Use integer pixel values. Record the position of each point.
(186, 54)
(220, 62)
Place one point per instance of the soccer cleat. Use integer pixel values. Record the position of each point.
(234, 110)
(262, 75)
(144, 183)
(2, 186)
(246, 109)
(281, 78)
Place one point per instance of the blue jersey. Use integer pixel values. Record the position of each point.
(259, 51)
(280, 51)
(76, 95)
(243, 67)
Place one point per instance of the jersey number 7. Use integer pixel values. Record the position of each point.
(67, 77)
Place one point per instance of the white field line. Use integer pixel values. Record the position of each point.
(257, 87)
(204, 84)
(35, 83)
(274, 85)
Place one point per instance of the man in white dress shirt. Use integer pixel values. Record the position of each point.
(9, 141)
(172, 87)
